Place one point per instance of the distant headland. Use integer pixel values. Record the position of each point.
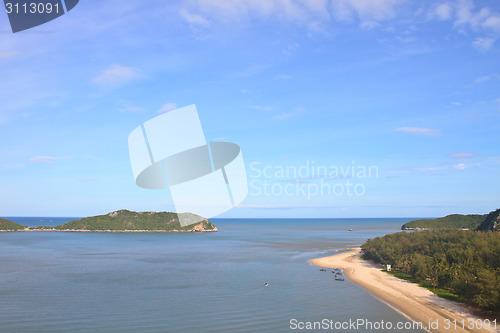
(486, 222)
(122, 221)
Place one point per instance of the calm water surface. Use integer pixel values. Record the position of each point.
(157, 282)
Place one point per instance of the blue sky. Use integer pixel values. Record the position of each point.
(409, 87)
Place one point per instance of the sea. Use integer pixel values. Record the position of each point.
(189, 282)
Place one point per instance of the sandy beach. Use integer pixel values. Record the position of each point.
(411, 300)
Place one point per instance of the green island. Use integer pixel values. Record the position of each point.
(123, 221)
(457, 264)
(9, 225)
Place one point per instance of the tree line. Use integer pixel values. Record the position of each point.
(467, 263)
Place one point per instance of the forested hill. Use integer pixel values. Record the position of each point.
(9, 225)
(450, 221)
(463, 263)
(126, 220)
(491, 222)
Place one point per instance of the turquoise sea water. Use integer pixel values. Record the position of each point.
(160, 282)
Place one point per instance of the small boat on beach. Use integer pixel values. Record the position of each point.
(323, 270)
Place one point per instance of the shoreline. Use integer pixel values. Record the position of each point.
(126, 231)
(412, 301)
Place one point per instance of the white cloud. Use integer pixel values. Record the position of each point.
(483, 18)
(46, 159)
(419, 131)
(465, 15)
(368, 12)
(442, 11)
(484, 43)
(460, 166)
(464, 11)
(194, 19)
(492, 22)
(127, 106)
(116, 75)
(167, 107)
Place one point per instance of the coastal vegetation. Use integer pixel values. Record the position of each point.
(129, 220)
(486, 222)
(124, 220)
(9, 225)
(459, 264)
(450, 221)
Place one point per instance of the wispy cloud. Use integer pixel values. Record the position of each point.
(486, 78)
(419, 131)
(47, 159)
(441, 12)
(484, 43)
(431, 168)
(368, 12)
(463, 155)
(482, 18)
(167, 107)
(460, 166)
(465, 15)
(117, 75)
(194, 19)
(436, 169)
(128, 106)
